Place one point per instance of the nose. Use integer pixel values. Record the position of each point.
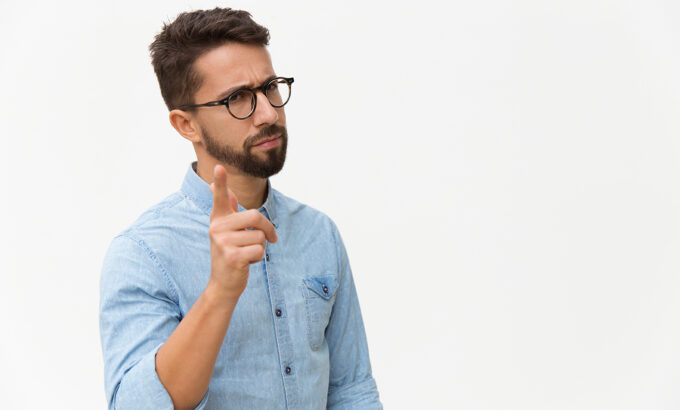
(264, 113)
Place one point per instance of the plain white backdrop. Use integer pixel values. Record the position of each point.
(505, 175)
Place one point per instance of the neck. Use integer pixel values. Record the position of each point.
(250, 190)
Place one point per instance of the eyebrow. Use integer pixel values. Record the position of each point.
(224, 94)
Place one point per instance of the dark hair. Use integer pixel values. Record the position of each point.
(180, 43)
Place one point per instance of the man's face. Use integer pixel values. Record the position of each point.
(230, 140)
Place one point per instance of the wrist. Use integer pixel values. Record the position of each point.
(217, 297)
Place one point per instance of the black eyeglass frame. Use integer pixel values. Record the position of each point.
(263, 88)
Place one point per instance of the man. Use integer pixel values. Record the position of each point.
(228, 294)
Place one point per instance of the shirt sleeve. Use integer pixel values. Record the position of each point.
(138, 311)
(351, 384)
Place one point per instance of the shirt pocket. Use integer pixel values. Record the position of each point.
(319, 295)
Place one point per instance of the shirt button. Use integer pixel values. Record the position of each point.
(287, 370)
(325, 289)
(278, 312)
(267, 256)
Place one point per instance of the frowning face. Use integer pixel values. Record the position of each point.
(256, 145)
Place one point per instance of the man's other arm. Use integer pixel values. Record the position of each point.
(351, 384)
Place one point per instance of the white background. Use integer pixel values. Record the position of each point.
(505, 176)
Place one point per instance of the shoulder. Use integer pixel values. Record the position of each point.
(311, 225)
(158, 230)
(164, 220)
(301, 213)
(138, 253)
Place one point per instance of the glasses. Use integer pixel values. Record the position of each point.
(242, 102)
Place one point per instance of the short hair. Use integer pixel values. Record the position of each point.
(191, 34)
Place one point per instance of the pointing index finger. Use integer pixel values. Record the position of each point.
(221, 204)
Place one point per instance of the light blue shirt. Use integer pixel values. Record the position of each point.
(296, 339)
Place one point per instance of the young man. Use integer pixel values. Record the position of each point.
(228, 294)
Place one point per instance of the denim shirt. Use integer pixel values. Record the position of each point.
(296, 339)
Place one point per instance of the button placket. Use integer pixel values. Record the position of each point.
(282, 331)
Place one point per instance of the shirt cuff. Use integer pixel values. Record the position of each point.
(361, 395)
(142, 389)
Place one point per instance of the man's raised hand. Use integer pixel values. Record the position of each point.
(233, 247)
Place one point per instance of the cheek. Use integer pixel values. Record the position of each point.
(282, 117)
(228, 129)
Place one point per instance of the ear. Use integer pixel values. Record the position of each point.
(185, 124)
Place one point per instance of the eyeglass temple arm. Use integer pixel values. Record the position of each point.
(208, 104)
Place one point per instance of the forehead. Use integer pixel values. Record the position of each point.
(230, 65)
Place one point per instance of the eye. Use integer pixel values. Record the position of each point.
(236, 97)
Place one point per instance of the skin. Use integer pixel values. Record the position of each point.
(185, 362)
(222, 68)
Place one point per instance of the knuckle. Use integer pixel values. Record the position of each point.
(244, 256)
(223, 241)
(217, 224)
(230, 254)
(260, 251)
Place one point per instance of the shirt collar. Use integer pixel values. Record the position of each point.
(196, 189)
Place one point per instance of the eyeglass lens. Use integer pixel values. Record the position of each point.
(241, 103)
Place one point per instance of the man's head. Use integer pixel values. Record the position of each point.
(199, 58)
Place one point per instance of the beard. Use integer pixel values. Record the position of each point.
(244, 160)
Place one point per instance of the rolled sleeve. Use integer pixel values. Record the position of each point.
(351, 383)
(138, 312)
(140, 387)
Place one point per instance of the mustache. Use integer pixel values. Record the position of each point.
(264, 134)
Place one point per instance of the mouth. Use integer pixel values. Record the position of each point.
(269, 142)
